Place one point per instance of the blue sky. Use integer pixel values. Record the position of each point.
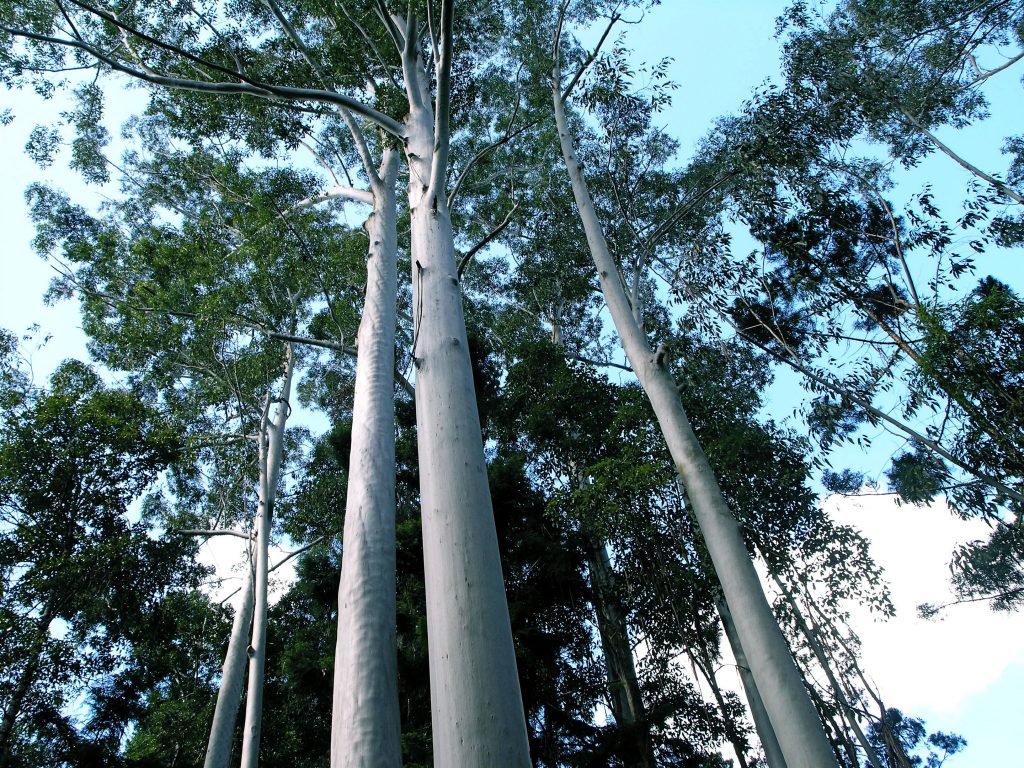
(721, 51)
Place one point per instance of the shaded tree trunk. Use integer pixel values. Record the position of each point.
(624, 696)
(792, 714)
(365, 726)
(25, 680)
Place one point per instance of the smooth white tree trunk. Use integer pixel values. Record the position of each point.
(477, 710)
(365, 727)
(762, 724)
(792, 714)
(229, 695)
(271, 452)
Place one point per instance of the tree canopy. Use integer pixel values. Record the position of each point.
(524, 431)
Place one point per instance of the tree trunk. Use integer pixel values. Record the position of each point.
(365, 726)
(792, 714)
(758, 713)
(229, 695)
(699, 660)
(837, 688)
(28, 676)
(477, 711)
(624, 696)
(271, 450)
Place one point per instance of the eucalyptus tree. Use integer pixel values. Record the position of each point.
(842, 273)
(216, 55)
(792, 713)
(365, 665)
(162, 299)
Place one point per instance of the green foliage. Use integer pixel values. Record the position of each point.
(900, 739)
(83, 580)
(846, 481)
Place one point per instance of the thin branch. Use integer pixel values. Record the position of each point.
(298, 41)
(404, 383)
(281, 562)
(599, 363)
(684, 207)
(259, 90)
(389, 24)
(986, 74)
(970, 167)
(433, 39)
(361, 148)
(612, 21)
(507, 137)
(338, 192)
(362, 31)
(883, 416)
(487, 238)
(211, 533)
(933, 610)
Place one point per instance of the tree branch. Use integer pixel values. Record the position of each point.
(487, 238)
(256, 89)
(612, 21)
(599, 363)
(442, 106)
(210, 533)
(986, 74)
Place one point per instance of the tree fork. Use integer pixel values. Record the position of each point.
(477, 711)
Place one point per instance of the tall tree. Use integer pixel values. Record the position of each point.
(797, 725)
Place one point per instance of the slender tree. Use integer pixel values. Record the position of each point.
(798, 727)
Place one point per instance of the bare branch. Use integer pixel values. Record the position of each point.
(599, 363)
(294, 36)
(612, 21)
(281, 562)
(487, 238)
(970, 167)
(984, 75)
(339, 192)
(210, 533)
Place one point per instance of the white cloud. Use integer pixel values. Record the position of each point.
(919, 663)
(226, 555)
